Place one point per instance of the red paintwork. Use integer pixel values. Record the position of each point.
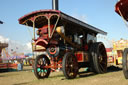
(43, 37)
(108, 49)
(122, 5)
(7, 65)
(3, 66)
(41, 42)
(53, 51)
(80, 56)
(36, 12)
(86, 47)
(53, 66)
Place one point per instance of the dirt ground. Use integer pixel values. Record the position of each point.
(26, 77)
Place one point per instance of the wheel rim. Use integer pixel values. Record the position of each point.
(71, 66)
(40, 67)
(102, 58)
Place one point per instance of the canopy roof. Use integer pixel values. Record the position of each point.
(122, 7)
(64, 19)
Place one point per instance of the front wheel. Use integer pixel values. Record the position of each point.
(70, 65)
(41, 69)
(125, 63)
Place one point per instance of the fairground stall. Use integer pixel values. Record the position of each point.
(118, 48)
(115, 53)
(4, 62)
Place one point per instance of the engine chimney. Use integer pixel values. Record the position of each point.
(55, 5)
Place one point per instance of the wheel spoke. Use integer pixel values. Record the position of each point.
(43, 73)
(99, 57)
(101, 50)
(102, 68)
(102, 59)
(103, 63)
(40, 70)
(39, 73)
(43, 61)
(38, 66)
(39, 62)
(70, 66)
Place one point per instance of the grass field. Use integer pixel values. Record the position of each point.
(27, 77)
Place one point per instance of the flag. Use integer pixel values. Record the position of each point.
(1, 22)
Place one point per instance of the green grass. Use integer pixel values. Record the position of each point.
(27, 77)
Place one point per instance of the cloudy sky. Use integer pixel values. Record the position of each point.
(15, 46)
(99, 13)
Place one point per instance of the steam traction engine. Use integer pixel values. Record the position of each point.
(66, 43)
(121, 8)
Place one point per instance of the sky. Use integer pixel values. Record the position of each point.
(98, 13)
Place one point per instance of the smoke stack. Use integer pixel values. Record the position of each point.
(55, 5)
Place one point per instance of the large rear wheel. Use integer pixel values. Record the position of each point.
(98, 58)
(70, 65)
(40, 67)
(125, 63)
